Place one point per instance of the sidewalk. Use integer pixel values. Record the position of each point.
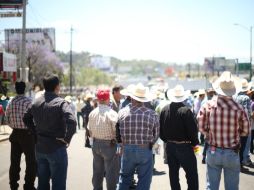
(5, 132)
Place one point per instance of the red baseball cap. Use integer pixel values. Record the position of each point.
(103, 94)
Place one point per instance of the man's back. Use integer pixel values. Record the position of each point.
(52, 116)
(138, 125)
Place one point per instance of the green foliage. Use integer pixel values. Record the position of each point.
(91, 76)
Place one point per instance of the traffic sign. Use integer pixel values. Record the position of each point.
(244, 66)
(10, 14)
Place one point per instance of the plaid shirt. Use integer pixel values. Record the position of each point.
(102, 123)
(223, 121)
(15, 111)
(138, 125)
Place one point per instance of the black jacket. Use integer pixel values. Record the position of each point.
(177, 123)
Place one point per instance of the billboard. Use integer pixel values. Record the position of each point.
(8, 62)
(103, 63)
(34, 36)
(11, 3)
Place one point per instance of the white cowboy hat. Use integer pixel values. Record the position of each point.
(140, 93)
(68, 98)
(246, 85)
(3, 97)
(126, 91)
(227, 84)
(88, 96)
(177, 94)
(201, 91)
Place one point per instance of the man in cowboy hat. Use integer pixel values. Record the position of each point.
(179, 130)
(137, 131)
(243, 99)
(223, 121)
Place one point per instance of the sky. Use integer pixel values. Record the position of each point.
(180, 31)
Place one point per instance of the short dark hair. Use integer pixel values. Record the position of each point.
(50, 82)
(20, 87)
(117, 88)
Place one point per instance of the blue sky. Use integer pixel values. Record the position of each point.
(165, 30)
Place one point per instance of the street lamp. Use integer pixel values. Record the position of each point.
(250, 30)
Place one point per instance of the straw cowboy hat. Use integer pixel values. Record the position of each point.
(88, 96)
(3, 97)
(227, 84)
(68, 98)
(140, 93)
(177, 94)
(246, 86)
(126, 91)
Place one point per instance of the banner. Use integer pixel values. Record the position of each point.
(34, 36)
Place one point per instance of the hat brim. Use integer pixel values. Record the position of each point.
(177, 99)
(124, 92)
(139, 99)
(247, 88)
(227, 92)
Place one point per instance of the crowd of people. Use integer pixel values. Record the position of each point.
(126, 126)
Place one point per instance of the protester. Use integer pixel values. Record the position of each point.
(137, 131)
(54, 122)
(243, 99)
(223, 121)
(179, 130)
(79, 106)
(86, 109)
(252, 123)
(210, 94)
(101, 125)
(115, 101)
(22, 139)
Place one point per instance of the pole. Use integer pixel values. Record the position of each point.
(23, 76)
(250, 53)
(71, 63)
(237, 67)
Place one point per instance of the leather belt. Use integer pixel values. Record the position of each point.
(179, 142)
(140, 145)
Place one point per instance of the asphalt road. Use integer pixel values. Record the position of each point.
(80, 169)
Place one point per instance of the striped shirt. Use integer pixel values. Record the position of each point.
(102, 123)
(138, 125)
(15, 111)
(223, 121)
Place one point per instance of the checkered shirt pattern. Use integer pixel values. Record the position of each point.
(15, 111)
(102, 123)
(223, 121)
(138, 125)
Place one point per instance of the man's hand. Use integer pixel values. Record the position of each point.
(119, 150)
(63, 141)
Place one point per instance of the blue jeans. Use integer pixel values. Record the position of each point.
(227, 160)
(246, 152)
(139, 158)
(182, 155)
(52, 166)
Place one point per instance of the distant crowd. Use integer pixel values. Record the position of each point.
(126, 126)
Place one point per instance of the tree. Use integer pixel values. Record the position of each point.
(40, 61)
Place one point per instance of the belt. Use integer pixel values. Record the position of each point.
(101, 140)
(140, 145)
(179, 142)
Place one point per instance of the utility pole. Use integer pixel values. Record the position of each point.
(71, 77)
(250, 53)
(23, 72)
